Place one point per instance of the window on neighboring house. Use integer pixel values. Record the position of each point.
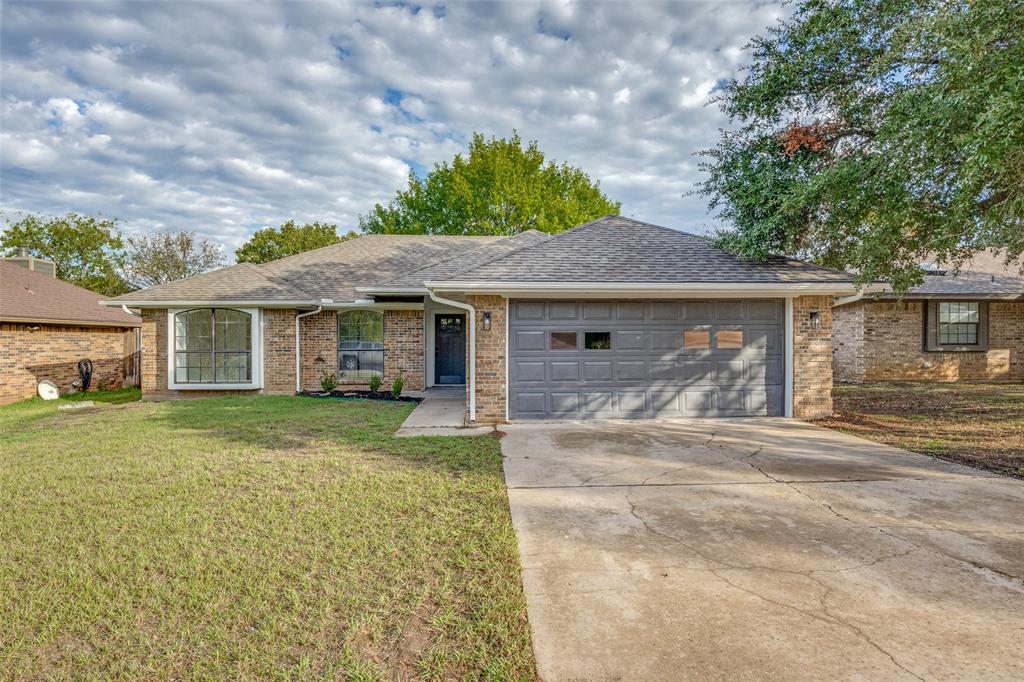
(956, 325)
(213, 346)
(360, 344)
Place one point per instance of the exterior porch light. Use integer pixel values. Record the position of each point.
(487, 321)
(815, 319)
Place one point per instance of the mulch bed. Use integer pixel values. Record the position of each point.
(351, 394)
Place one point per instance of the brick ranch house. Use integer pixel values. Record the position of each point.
(47, 326)
(965, 326)
(614, 318)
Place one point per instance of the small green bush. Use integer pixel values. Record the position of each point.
(375, 382)
(398, 385)
(328, 381)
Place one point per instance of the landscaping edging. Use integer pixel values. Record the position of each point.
(361, 395)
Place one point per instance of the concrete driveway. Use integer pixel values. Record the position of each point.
(749, 549)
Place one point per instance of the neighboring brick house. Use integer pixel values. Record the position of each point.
(966, 326)
(47, 326)
(614, 318)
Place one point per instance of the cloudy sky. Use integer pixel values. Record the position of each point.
(225, 117)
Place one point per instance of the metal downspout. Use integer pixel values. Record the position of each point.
(298, 364)
(472, 348)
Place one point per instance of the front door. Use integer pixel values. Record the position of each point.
(449, 349)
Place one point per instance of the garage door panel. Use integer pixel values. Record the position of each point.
(564, 404)
(527, 340)
(630, 370)
(564, 371)
(730, 364)
(597, 371)
(564, 310)
(599, 404)
(528, 370)
(597, 310)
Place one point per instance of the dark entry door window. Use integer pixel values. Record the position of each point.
(449, 349)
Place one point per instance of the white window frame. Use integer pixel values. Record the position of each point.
(256, 353)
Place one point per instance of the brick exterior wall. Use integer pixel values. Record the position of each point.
(404, 348)
(318, 335)
(52, 352)
(279, 351)
(883, 341)
(403, 341)
(490, 359)
(812, 358)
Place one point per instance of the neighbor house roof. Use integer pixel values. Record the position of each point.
(985, 275)
(617, 249)
(612, 251)
(34, 297)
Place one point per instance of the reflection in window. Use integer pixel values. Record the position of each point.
(563, 340)
(958, 323)
(696, 339)
(360, 344)
(212, 346)
(597, 340)
(729, 339)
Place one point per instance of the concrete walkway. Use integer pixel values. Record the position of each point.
(755, 549)
(442, 413)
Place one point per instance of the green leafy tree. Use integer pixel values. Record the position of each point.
(88, 251)
(876, 134)
(499, 187)
(273, 243)
(160, 258)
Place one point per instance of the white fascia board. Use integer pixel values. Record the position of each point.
(213, 304)
(386, 305)
(648, 289)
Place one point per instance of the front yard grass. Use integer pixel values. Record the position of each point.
(980, 425)
(253, 537)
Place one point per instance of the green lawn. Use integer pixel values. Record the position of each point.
(253, 537)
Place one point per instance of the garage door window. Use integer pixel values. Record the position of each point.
(729, 339)
(597, 340)
(563, 340)
(696, 339)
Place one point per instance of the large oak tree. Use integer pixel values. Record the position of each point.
(873, 135)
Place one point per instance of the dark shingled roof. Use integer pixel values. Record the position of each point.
(611, 249)
(986, 275)
(29, 296)
(617, 249)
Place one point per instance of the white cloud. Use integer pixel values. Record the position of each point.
(224, 117)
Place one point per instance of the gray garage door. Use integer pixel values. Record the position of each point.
(601, 359)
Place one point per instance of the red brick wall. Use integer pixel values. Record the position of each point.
(403, 348)
(53, 351)
(490, 359)
(319, 339)
(891, 345)
(279, 351)
(812, 358)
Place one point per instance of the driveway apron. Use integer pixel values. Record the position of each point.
(757, 548)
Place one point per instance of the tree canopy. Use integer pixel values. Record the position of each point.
(272, 243)
(87, 251)
(499, 188)
(875, 134)
(157, 259)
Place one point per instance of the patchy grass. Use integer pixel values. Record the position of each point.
(980, 425)
(253, 537)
